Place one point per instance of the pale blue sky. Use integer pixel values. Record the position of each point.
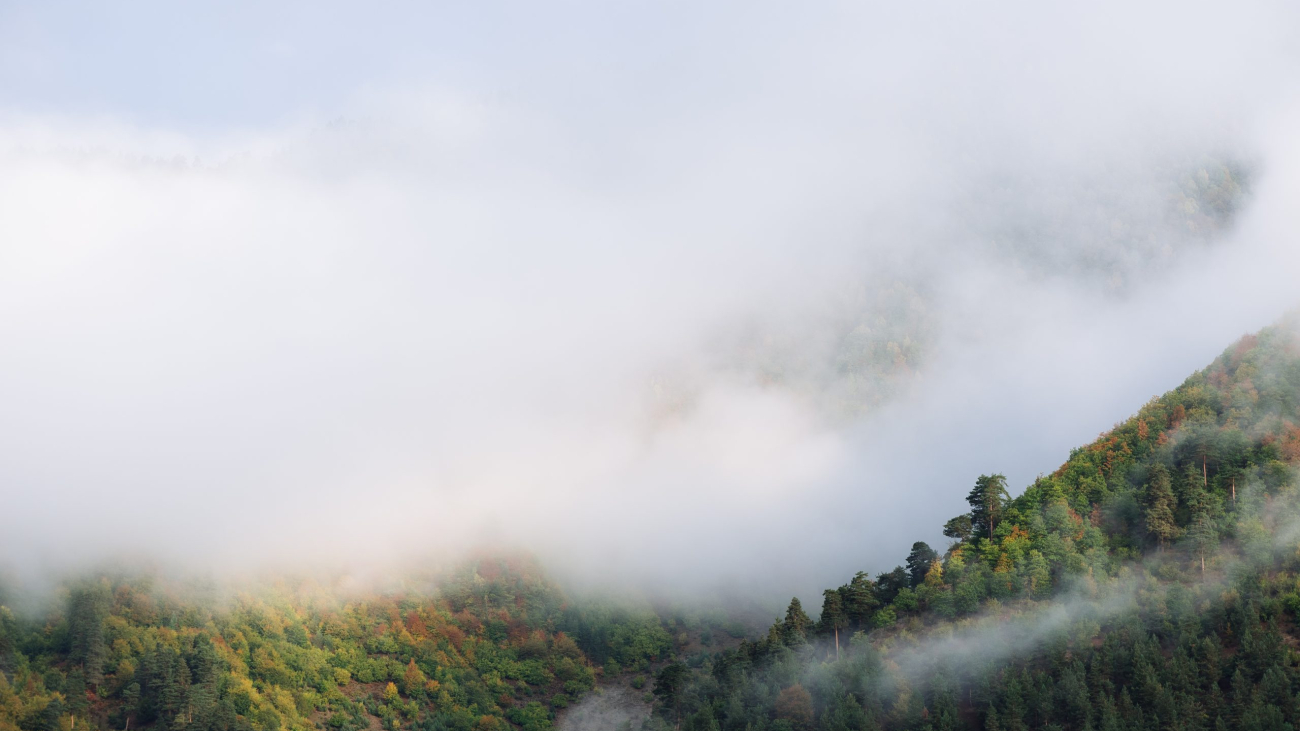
(243, 63)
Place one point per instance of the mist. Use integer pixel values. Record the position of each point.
(598, 282)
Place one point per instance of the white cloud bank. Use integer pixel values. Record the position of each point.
(456, 316)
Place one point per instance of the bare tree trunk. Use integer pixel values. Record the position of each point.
(837, 644)
(1205, 472)
(1234, 489)
(1202, 562)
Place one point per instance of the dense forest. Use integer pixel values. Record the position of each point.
(492, 646)
(1150, 582)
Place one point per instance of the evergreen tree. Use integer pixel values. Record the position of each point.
(1201, 530)
(959, 528)
(889, 584)
(669, 684)
(88, 606)
(987, 500)
(860, 599)
(833, 617)
(794, 630)
(918, 562)
(1160, 505)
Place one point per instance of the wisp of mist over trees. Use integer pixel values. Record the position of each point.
(511, 367)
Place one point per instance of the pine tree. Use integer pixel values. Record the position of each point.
(918, 562)
(959, 528)
(987, 500)
(833, 615)
(1201, 530)
(1160, 506)
(88, 607)
(1038, 575)
(794, 630)
(889, 584)
(991, 720)
(860, 599)
(669, 684)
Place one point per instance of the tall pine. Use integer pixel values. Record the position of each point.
(1160, 505)
(987, 500)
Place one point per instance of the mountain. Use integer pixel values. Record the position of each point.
(1150, 582)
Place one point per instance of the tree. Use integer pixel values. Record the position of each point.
(1038, 575)
(794, 630)
(1201, 530)
(668, 687)
(8, 637)
(86, 613)
(888, 585)
(1160, 506)
(794, 704)
(74, 691)
(413, 679)
(833, 616)
(860, 599)
(987, 500)
(918, 562)
(958, 528)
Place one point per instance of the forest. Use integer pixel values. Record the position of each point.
(508, 366)
(1152, 581)
(494, 647)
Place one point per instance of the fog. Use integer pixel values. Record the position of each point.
(674, 297)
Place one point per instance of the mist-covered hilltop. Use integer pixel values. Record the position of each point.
(490, 646)
(1148, 583)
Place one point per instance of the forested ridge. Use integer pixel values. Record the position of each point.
(1151, 582)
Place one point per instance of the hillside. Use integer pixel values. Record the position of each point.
(484, 648)
(1150, 582)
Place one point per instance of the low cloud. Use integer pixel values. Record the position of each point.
(639, 322)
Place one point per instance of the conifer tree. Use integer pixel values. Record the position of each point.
(987, 500)
(794, 630)
(833, 615)
(959, 528)
(918, 562)
(87, 610)
(1201, 531)
(1160, 506)
(860, 599)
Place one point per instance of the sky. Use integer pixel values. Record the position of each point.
(337, 285)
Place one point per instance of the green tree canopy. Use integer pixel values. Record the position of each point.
(918, 562)
(987, 501)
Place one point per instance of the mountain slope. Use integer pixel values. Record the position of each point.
(1148, 583)
(481, 649)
